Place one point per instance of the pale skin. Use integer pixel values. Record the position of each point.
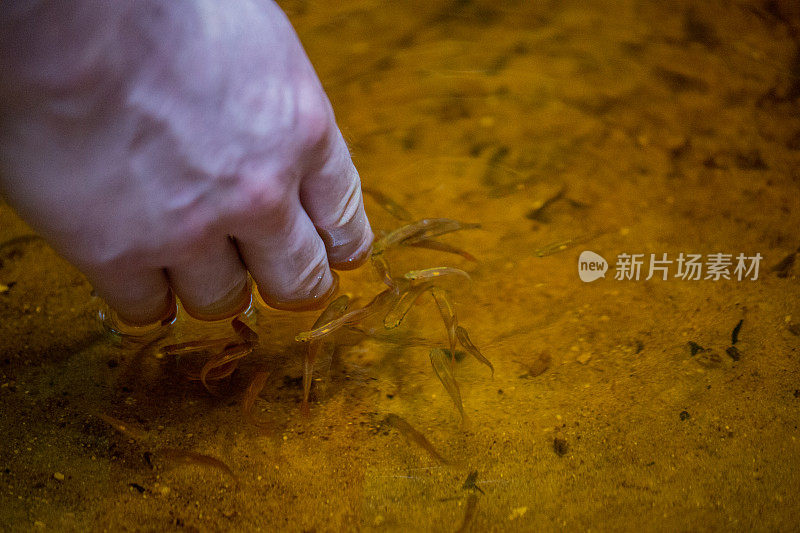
(171, 147)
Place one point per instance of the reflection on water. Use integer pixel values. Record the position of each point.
(560, 127)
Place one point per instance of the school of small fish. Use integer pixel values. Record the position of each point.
(222, 356)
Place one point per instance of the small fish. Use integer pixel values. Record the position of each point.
(229, 355)
(432, 244)
(469, 513)
(186, 348)
(444, 371)
(420, 230)
(469, 483)
(123, 427)
(784, 267)
(735, 332)
(408, 431)
(560, 246)
(186, 457)
(449, 317)
(695, 348)
(376, 305)
(435, 272)
(537, 213)
(434, 227)
(381, 267)
(554, 248)
(463, 338)
(333, 311)
(396, 314)
(255, 387)
(389, 205)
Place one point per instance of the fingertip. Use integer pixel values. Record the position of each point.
(144, 315)
(233, 304)
(357, 258)
(349, 241)
(318, 300)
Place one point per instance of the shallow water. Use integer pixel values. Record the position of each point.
(669, 128)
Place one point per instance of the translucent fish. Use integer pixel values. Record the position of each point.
(555, 247)
(381, 267)
(185, 348)
(376, 305)
(411, 433)
(560, 246)
(317, 350)
(420, 230)
(398, 312)
(433, 227)
(123, 427)
(439, 246)
(186, 457)
(463, 338)
(469, 513)
(537, 213)
(333, 311)
(226, 357)
(435, 272)
(389, 205)
(444, 371)
(449, 317)
(257, 383)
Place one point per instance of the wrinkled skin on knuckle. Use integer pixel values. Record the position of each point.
(262, 207)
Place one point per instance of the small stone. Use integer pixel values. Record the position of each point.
(584, 358)
(4, 288)
(58, 476)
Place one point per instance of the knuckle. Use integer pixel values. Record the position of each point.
(314, 116)
(265, 202)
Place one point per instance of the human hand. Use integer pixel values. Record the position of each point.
(171, 147)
